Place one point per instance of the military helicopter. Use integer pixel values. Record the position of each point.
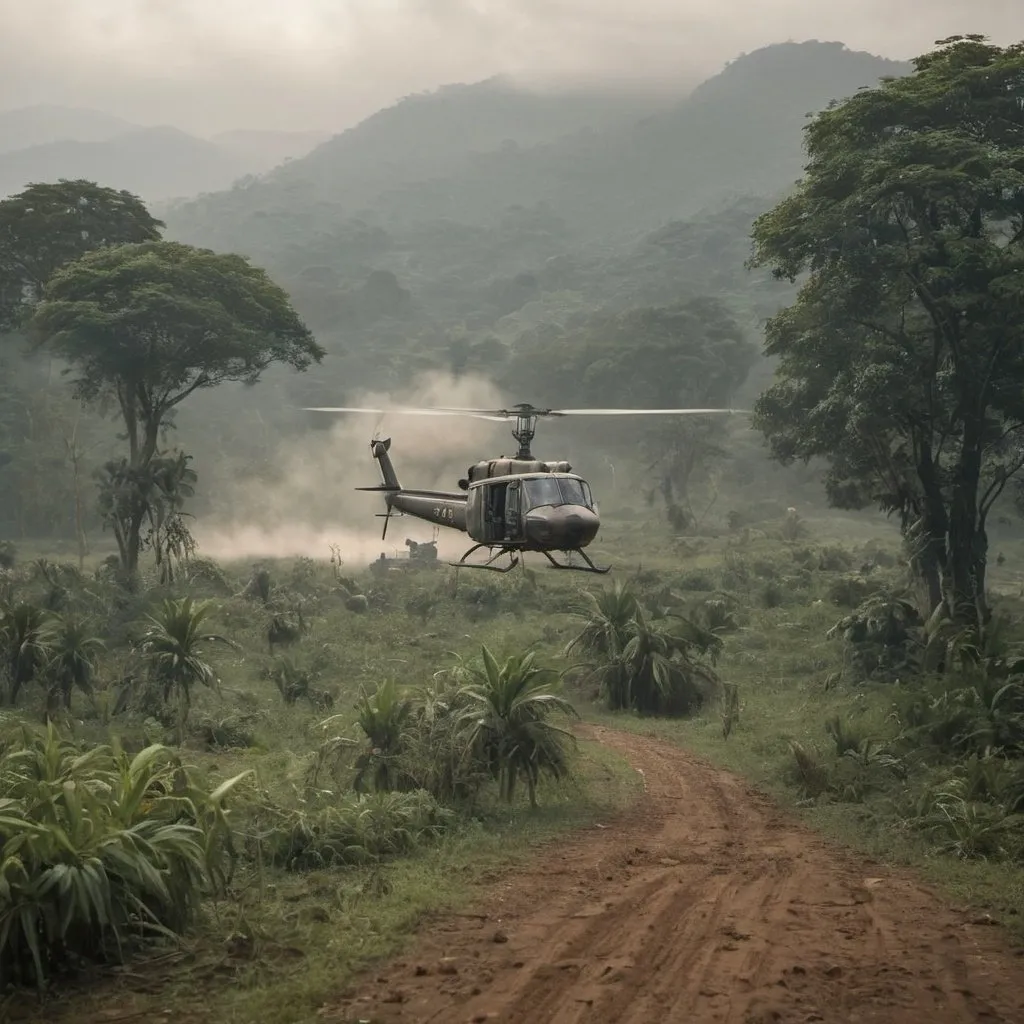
(507, 505)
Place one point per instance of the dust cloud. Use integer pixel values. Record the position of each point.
(307, 502)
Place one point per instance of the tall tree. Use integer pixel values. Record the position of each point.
(147, 325)
(48, 226)
(691, 354)
(902, 359)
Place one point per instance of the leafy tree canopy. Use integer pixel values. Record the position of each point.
(692, 354)
(902, 360)
(153, 322)
(147, 325)
(48, 226)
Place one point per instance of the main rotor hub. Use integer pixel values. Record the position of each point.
(525, 429)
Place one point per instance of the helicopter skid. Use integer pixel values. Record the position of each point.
(463, 564)
(589, 567)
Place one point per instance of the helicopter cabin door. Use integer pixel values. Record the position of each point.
(512, 507)
(493, 513)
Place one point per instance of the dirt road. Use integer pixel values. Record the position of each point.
(706, 903)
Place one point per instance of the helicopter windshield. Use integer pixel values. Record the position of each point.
(555, 491)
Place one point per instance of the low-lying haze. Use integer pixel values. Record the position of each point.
(281, 64)
(308, 502)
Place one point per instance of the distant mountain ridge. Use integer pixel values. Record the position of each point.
(42, 124)
(465, 154)
(43, 143)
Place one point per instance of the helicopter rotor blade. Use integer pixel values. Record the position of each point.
(501, 415)
(645, 412)
(480, 414)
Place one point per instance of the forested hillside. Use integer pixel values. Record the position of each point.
(477, 212)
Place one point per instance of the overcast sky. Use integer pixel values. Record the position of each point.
(209, 65)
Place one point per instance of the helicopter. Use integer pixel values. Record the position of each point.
(511, 504)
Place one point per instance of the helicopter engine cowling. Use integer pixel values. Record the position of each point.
(561, 527)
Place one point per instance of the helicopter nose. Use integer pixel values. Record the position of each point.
(562, 527)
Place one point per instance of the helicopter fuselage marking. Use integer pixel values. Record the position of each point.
(444, 513)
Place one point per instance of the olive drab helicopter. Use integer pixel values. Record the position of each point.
(507, 505)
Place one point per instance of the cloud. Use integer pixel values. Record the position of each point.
(325, 63)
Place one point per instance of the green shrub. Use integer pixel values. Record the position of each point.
(99, 852)
(358, 829)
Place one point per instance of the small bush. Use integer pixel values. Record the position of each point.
(358, 829)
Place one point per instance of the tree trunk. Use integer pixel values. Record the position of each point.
(931, 555)
(929, 568)
(139, 457)
(132, 544)
(967, 541)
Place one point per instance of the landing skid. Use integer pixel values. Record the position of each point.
(511, 552)
(589, 567)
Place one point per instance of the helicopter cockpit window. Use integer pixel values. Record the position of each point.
(542, 492)
(574, 492)
(552, 491)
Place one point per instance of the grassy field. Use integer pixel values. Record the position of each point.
(283, 941)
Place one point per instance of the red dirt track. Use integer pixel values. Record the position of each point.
(706, 903)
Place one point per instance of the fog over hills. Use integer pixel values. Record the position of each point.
(43, 143)
(467, 153)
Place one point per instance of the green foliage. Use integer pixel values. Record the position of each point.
(692, 354)
(354, 830)
(383, 718)
(506, 714)
(99, 852)
(47, 226)
(174, 651)
(153, 493)
(641, 662)
(73, 653)
(26, 637)
(901, 361)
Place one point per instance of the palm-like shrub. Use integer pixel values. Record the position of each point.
(658, 663)
(505, 716)
(72, 658)
(26, 633)
(99, 851)
(174, 650)
(610, 612)
(435, 754)
(384, 717)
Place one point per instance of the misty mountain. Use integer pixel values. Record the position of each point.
(606, 166)
(155, 163)
(460, 221)
(434, 133)
(738, 133)
(158, 163)
(39, 125)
